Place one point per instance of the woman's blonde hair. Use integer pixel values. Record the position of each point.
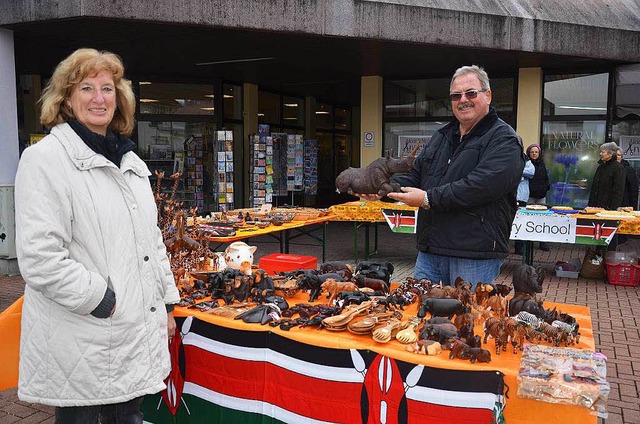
(70, 72)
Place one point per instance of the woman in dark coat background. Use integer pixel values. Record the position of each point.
(607, 188)
(630, 196)
(539, 183)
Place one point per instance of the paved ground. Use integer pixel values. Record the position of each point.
(616, 323)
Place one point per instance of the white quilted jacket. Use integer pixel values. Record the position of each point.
(82, 223)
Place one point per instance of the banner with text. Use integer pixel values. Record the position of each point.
(541, 227)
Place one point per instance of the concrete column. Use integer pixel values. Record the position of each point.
(370, 118)
(250, 118)
(9, 156)
(530, 84)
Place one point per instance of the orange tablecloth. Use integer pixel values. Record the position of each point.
(364, 210)
(242, 234)
(518, 410)
(9, 344)
(626, 226)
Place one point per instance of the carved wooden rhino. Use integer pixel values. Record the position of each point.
(374, 178)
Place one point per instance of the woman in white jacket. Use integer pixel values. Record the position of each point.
(99, 289)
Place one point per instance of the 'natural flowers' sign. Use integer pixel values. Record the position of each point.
(570, 152)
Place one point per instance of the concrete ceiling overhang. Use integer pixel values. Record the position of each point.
(322, 48)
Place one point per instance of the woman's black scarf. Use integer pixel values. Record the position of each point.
(113, 146)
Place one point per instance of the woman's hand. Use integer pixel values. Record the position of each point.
(171, 325)
(410, 196)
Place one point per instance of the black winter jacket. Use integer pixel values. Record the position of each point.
(471, 184)
(607, 188)
(630, 196)
(539, 183)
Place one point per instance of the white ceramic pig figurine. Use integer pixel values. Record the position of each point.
(239, 255)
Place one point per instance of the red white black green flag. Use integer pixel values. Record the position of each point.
(401, 221)
(597, 232)
(236, 376)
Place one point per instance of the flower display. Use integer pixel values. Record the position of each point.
(567, 161)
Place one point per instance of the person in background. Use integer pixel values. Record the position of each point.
(522, 196)
(99, 291)
(464, 182)
(538, 184)
(630, 196)
(607, 188)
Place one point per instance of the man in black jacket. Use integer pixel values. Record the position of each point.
(607, 188)
(465, 183)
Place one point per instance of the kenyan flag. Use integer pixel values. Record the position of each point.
(401, 221)
(236, 376)
(596, 232)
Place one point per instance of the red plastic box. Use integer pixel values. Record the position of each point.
(277, 262)
(623, 274)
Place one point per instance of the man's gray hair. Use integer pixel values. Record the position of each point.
(611, 148)
(473, 69)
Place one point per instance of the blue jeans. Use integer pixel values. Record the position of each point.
(447, 268)
(117, 413)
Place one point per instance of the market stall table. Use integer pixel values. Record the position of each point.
(233, 372)
(365, 214)
(230, 371)
(313, 228)
(586, 229)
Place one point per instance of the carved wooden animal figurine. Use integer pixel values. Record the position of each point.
(334, 287)
(482, 293)
(477, 354)
(498, 304)
(374, 178)
(425, 347)
(441, 307)
(527, 279)
(458, 347)
(345, 270)
(372, 283)
(373, 269)
(494, 328)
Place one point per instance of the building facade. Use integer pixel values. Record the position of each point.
(359, 76)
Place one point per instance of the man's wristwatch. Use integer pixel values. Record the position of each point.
(425, 202)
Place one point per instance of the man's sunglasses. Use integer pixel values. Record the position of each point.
(469, 94)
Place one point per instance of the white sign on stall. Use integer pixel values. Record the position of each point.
(630, 146)
(541, 227)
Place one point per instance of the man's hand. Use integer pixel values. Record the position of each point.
(171, 325)
(410, 196)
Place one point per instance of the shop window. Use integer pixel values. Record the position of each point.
(417, 98)
(293, 111)
(232, 101)
(417, 108)
(571, 152)
(398, 136)
(164, 147)
(342, 119)
(566, 95)
(176, 99)
(627, 99)
(626, 134)
(573, 129)
(268, 108)
(503, 99)
(324, 116)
